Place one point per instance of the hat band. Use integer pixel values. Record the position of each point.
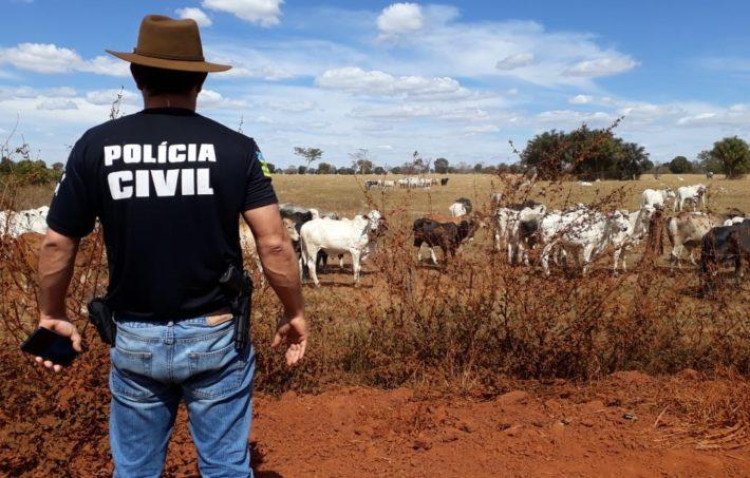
(162, 56)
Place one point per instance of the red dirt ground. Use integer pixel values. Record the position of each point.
(595, 430)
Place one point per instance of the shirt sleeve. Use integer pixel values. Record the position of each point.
(259, 190)
(72, 212)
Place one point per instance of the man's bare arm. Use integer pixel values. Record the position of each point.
(280, 268)
(56, 263)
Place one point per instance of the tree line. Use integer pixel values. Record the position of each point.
(18, 166)
(586, 154)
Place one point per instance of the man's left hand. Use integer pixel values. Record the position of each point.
(62, 327)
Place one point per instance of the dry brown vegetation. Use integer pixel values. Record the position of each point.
(471, 328)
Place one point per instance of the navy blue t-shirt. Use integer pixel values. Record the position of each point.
(168, 186)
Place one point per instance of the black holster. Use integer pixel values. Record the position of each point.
(101, 316)
(237, 286)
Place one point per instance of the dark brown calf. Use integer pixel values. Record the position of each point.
(721, 245)
(445, 235)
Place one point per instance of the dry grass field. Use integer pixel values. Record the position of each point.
(437, 349)
(344, 194)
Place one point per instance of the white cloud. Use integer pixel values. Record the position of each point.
(581, 100)
(56, 104)
(40, 57)
(517, 60)
(358, 81)
(48, 58)
(107, 97)
(400, 18)
(196, 14)
(604, 66)
(481, 129)
(266, 13)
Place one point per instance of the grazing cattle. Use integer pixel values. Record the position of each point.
(656, 197)
(495, 200)
(461, 207)
(342, 236)
(555, 222)
(521, 232)
(709, 175)
(370, 184)
(16, 223)
(586, 238)
(389, 184)
(695, 195)
(734, 220)
(720, 245)
(506, 215)
(444, 181)
(445, 235)
(585, 183)
(626, 240)
(686, 230)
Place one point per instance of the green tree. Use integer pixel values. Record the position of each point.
(362, 161)
(708, 162)
(680, 165)
(310, 154)
(478, 167)
(379, 170)
(585, 153)
(301, 169)
(441, 166)
(325, 168)
(734, 155)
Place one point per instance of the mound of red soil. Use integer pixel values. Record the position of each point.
(363, 432)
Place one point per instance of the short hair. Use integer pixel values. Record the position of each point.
(159, 81)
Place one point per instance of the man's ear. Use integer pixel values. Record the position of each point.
(199, 86)
(135, 78)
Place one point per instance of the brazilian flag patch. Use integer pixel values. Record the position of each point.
(263, 165)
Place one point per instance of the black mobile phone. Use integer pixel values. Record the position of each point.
(50, 346)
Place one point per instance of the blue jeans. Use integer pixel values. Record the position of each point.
(157, 364)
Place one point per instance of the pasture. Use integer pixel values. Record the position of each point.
(477, 327)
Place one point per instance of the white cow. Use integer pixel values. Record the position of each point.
(15, 223)
(457, 209)
(586, 238)
(555, 223)
(656, 197)
(350, 235)
(515, 227)
(695, 194)
(637, 230)
(734, 220)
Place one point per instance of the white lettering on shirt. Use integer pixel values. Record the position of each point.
(116, 187)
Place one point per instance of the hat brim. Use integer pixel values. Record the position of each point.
(179, 65)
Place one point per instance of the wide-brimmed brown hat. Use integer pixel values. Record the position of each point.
(171, 44)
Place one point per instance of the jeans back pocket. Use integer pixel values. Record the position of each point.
(215, 374)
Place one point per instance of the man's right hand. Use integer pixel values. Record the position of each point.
(293, 332)
(64, 328)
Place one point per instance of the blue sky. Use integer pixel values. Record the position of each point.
(453, 79)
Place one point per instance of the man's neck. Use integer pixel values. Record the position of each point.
(187, 102)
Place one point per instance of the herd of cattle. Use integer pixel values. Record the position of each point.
(576, 236)
(410, 182)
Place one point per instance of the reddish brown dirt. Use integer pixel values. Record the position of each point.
(363, 432)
